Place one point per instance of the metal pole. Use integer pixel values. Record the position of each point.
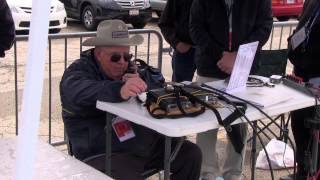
(148, 50)
(65, 67)
(167, 153)
(253, 151)
(50, 93)
(108, 130)
(65, 53)
(16, 87)
(315, 144)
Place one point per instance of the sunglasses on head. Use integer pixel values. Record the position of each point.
(115, 57)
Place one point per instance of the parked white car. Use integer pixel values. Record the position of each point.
(21, 12)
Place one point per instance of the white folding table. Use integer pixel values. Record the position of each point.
(136, 113)
(50, 163)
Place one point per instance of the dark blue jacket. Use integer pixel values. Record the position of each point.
(82, 84)
(174, 22)
(7, 30)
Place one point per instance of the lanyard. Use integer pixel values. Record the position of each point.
(315, 18)
(229, 7)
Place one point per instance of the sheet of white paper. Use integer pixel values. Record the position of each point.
(264, 96)
(242, 67)
(31, 103)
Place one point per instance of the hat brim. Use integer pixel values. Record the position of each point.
(98, 41)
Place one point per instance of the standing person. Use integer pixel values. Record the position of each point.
(7, 30)
(102, 74)
(174, 25)
(218, 28)
(304, 54)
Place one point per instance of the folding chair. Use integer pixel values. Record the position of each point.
(98, 162)
(270, 62)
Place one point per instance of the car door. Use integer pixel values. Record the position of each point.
(71, 7)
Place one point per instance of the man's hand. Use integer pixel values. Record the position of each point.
(182, 47)
(132, 87)
(226, 63)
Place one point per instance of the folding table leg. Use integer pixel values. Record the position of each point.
(314, 152)
(177, 149)
(108, 130)
(253, 150)
(167, 154)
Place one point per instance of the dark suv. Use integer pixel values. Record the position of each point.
(90, 12)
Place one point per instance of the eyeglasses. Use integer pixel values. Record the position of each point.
(115, 57)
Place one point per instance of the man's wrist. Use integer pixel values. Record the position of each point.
(122, 94)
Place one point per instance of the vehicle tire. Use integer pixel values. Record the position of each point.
(158, 13)
(88, 18)
(54, 31)
(283, 18)
(139, 25)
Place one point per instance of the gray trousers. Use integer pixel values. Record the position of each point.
(232, 164)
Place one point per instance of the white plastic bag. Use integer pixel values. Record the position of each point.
(280, 154)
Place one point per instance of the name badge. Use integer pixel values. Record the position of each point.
(298, 38)
(123, 129)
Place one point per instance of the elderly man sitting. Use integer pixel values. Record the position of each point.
(100, 74)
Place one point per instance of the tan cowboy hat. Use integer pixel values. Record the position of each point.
(113, 33)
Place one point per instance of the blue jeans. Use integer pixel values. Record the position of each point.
(183, 66)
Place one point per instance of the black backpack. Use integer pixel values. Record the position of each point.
(152, 76)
